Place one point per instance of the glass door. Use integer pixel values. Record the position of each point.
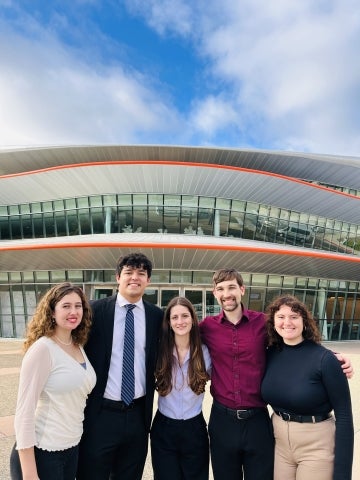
(212, 307)
(167, 295)
(196, 298)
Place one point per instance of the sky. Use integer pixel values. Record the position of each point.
(278, 75)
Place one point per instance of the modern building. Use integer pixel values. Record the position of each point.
(289, 222)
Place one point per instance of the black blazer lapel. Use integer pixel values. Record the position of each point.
(108, 324)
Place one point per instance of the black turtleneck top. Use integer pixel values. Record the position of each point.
(307, 379)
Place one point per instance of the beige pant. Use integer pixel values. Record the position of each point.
(303, 451)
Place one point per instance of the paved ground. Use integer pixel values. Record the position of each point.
(10, 360)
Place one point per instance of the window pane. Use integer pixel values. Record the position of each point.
(180, 277)
(75, 276)
(83, 202)
(15, 277)
(58, 276)
(42, 276)
(96, 201)
(70, 203)
(151, 295)
(28, 277)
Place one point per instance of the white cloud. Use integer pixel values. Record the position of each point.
(291, 69)
(50, 94)
(281, 75)
(211, 114)
(165, 16)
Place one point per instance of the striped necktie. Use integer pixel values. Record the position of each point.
(128, 376)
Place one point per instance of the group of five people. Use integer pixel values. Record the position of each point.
(252, 359)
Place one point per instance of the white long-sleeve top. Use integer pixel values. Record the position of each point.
(53, 389)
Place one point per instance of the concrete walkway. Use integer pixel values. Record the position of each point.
(10, 361)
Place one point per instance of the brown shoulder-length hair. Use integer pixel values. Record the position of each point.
(197, 375)
(42, 323)
(310, 331)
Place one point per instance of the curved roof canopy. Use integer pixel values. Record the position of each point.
(271, 178)
(97, 252)
(330, 169)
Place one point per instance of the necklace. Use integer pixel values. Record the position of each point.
(64, 343)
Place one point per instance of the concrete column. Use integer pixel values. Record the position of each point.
(217, 223)
(107, 219)
(321, 307)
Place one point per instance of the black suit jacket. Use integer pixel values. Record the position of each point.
(98, 350)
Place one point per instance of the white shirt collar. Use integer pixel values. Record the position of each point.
(122, 302)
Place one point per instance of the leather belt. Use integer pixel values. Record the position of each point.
(121, 406)
(290, 417)
(241, 413)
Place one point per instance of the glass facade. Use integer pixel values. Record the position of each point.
(335, 304)
(350, 191)
(178, 214)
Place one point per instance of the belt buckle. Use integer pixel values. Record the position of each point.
(125, 408)
(285, 416)
(239, 413)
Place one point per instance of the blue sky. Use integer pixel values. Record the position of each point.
(281, 75)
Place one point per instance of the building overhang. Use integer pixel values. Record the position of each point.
(330, 169)
(174, 252)
(176, 178)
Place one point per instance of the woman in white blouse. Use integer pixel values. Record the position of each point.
(179, 438)
(55, 380)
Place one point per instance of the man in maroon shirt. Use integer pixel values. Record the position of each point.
(241, 437)
(240, 430)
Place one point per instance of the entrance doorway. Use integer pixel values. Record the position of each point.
(196, 298)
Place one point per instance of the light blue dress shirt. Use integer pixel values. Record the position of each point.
(182, 403)
(113, 386)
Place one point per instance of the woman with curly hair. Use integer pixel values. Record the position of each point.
(304, 384)
(55, 380)
(179, 438)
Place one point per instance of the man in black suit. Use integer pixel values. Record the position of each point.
(115, 440)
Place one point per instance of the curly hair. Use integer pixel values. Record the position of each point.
(134, 260)
(42, 323)
(310, 331)
(197, 375)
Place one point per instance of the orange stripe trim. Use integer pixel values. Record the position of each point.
(310, 254)
(176, 163)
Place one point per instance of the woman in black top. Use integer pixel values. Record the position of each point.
(303, 384)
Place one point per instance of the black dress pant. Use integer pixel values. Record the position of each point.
(115, 445)
(57, 465)
(179, 448)
(241, 448)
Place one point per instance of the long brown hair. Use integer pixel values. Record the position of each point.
(42, 323)
(310, 331)
(197, 376)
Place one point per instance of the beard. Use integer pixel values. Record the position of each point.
(230, 307)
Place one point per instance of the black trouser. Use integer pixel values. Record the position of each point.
(241, 448)
(179, 448)
(57, 465)
(115, 445)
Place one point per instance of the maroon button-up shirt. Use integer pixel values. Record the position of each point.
(238, 354)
